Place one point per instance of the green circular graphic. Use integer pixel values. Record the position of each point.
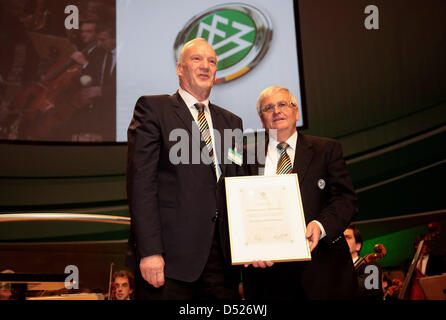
(239, 33)
(218, 28)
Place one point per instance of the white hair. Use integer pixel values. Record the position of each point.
(271, 91)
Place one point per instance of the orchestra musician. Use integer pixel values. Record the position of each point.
(94, 117)
(429, 263)
(123, 285)
(423, 264)
(354, 241)
(95, 120)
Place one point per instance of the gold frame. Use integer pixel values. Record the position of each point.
(234, 208)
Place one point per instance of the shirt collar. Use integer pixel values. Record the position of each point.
(291, 141)
(190, 100)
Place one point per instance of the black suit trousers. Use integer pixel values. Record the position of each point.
(218, 281)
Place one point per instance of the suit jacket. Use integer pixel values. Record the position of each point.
(435, 265)
(174, 207)
(327, 196)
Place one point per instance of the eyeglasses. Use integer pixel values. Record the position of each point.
(281, 105)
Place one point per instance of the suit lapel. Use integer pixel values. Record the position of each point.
(183, 112)
(219, 125)
(302, 157)
(261, 149)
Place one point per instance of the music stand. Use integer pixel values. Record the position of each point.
(24, 282)
(76, 296)
(434, 287)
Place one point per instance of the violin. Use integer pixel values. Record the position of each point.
(380, 252)
(37, 102)
(394, 289)
(411, 289)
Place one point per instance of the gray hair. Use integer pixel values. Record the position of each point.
(271, 91)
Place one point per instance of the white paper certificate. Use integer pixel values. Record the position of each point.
(266, 219)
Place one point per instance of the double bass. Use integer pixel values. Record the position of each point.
(410, 289)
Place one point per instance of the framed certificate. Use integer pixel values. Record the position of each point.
(266, 219)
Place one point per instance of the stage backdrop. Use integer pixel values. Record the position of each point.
(381, 93)
(151, 33)
(81, 84)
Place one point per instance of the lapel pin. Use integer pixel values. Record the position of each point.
(321, 184)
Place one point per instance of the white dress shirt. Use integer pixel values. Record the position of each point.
(422, 263)
(272, 158)
(273, 154)
(190, 102)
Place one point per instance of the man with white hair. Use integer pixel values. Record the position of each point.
(328, 199)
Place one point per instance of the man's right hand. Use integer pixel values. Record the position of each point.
(79, 58)
(152, 270)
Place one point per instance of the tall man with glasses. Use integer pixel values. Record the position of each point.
(329, 203)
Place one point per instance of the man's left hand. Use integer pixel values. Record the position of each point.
(260, 264)
(313, 234)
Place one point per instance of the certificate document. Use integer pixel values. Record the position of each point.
(266, 219)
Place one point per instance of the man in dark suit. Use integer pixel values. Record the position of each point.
(94, 101)
(371, 290)
(179, 237)
(97, 120)
(430, 262)
(329, 203)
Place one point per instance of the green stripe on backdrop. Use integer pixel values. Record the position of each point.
(399, 246)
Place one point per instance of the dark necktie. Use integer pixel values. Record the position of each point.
(284, 164)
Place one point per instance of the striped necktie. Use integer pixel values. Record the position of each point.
(284, 164)
(205, 132)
